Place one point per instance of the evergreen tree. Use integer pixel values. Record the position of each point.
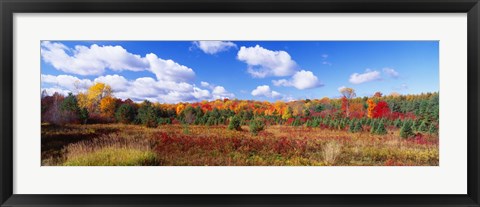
(407, 131)
(256, 126)
(373, 127)
(381, 129)
(433, 129)
(358, 126)
(423, 127)
(125, 113)
(397, 123)
(352, 127)
(83, 115)
(234, 123)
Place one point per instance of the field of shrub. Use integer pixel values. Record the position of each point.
(176, 144)
(95, 128)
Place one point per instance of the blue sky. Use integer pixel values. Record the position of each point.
(186, 71)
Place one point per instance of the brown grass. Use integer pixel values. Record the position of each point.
(216, 145)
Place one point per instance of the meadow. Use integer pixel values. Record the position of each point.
(180, 145)
(96, 129)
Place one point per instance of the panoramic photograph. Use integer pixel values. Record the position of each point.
(239, 103)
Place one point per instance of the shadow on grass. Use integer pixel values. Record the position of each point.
(54, 138)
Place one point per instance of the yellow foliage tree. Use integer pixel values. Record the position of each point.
(82, 100)
(371, 106)
(180, 108)
(287, 113)
(95, 94)
(107, 107)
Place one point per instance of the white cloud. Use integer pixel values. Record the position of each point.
(169, 70)
(301, 80)
(263, 62)
(368, 76)
(265, 91)
(213, 47)
(51, 91)
(391, 72)
(204, 84)
(219, 92)
(94, 60)
(68, 82)
(118, 83)
(91, 60)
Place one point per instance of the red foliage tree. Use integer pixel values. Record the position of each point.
(344, 105)
(381, 110)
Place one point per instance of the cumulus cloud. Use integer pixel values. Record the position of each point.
(67, 82)
(219, 92)
(169, 70)
(213, 47)
(116, 82)
(301, 80)
(204, 84)
(144, 88)
(265, 91)
(263, 62)
(53, 90)
(94, 60)
(369, 75)
(391, 72)
(91, 60)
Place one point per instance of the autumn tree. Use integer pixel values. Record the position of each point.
(371, 107)
(108, 106)
(348, 93)
(381, 109)
(378, 94)
(287, 113)
(179, 108)
(92, 97)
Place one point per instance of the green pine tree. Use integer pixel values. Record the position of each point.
(433, 129)
(351, 127)
(358, 126)
(407, 131)
(423, 127)
(381, 129)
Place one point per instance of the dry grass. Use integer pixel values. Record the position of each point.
(216, 145)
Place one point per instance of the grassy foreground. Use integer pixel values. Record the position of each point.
(197, 145)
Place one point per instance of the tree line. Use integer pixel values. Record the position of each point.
(377, 114)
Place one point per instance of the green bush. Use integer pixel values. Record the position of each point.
(256, 126)
(163, 121)
(234, 124)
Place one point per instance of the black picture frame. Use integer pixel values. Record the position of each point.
(9, 7)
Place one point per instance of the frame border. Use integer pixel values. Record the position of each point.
(9, 7)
